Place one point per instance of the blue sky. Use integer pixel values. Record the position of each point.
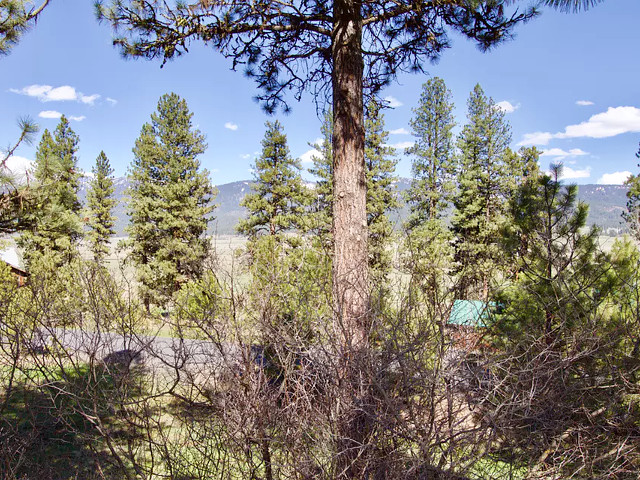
(570, 82)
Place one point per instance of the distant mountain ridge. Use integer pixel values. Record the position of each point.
(606, 204)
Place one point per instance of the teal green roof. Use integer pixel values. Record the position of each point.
(470, 313)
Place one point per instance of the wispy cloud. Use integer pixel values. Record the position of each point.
(78, 118)
(399, 131)
(584, 103)
(401, 145)
(614, 178)
(49, 114)
(507, 107)
(393, 102)
(246, 156)
(112, 101)
(615, 121)
(231, 126)
(89, 99)
(48, 93)
(559, 154)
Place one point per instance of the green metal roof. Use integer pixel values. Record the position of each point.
(470, 313)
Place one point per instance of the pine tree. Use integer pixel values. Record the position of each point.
(522, 190)
(279, 198)
(16, 18)
(101, 202)
(433, 156)
(322, 208)
(632, 215)
(479, 203)
(56, 221)
(170, 202)
(380, 164)
(427, 244)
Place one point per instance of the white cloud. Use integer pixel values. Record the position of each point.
(615, 121)
(56, 114)
(246, 156)
(399, 131)
(307, 157)
(401, 145)
(112, 101)
(393, 102)
(49, 114)
(231, 126)
(536, 138)
(18, 167)
(584, 103)
(559, 154)
(615, 178)
(570, 173)
(64, 93)
(507, 107)
(89, 99)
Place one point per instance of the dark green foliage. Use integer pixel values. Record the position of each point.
(562, 341)
(427, 244)
(322, 206)
(170, 202)
(55, 216)
(298, 57)
(380, 164)
(16, 18)
(561, 271)
(479, 203)
(278, 200)
(632, 215)
(101, 203)
(434, 163)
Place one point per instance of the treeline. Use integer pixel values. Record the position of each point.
(194, 371)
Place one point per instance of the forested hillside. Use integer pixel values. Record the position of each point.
(606, 204)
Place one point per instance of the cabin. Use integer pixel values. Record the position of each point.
(11, 257)
(466, 322)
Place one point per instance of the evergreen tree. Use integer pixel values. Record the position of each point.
(279, 198)
(380, 164)
(558, 268)
(342, 47)
(522, 187)
(170, 202)
(56, 221)
(101, 203)
(427, 244)
(433, 164)
(632, 215)
(16, 18)
(322, 208)
(479, 203)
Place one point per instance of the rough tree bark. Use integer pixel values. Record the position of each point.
(350, 273)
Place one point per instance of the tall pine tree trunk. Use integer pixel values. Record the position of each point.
(350, 266)
(350, 271)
